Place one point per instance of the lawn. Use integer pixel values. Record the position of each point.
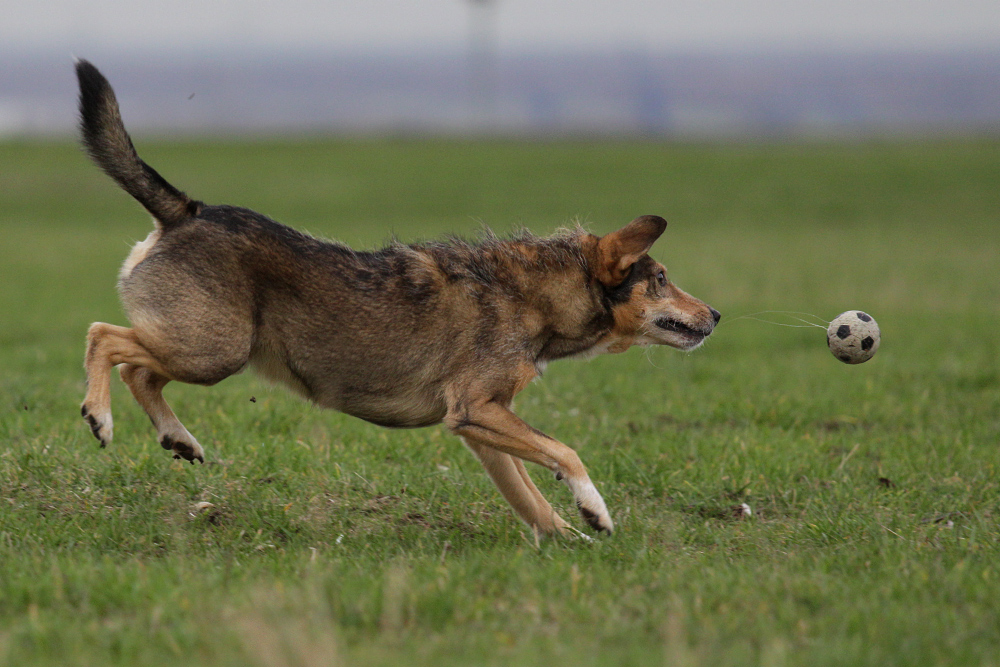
(312, 538)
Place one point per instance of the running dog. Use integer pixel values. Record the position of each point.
(406, 336)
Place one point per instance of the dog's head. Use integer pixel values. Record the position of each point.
(647, 307)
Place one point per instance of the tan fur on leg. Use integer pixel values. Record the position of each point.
(108, 346)
(517, 488)
(147, 388)
(491, 424)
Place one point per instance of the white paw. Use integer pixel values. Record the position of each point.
(591, 505)
(573, 533)
(101, 425)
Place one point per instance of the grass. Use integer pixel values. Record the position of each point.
(874, 489)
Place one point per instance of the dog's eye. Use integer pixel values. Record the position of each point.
(661, 278)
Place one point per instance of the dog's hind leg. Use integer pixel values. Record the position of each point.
(512, 480)
(108, 346)
(147, 388)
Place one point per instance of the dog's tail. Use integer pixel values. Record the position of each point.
(109, 145)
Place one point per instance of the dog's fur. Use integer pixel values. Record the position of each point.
(406, 336)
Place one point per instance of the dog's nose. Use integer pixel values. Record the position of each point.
(716, 315)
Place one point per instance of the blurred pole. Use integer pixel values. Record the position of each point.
(483, 63)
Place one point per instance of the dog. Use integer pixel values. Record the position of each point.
(403, 337)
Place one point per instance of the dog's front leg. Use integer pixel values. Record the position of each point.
(512, 480)
(490, 424)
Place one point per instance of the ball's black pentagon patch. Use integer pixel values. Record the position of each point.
(846, 358)
(867, 343)
(843, 331)
(864, 317)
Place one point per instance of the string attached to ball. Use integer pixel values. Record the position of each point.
(852, 337)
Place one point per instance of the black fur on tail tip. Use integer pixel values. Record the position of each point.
(98, 109)
(93, 88)
(109, 145)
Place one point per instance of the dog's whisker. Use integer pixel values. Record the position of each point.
(789, 313)
(648, 353)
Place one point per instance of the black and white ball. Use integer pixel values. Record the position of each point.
(853, 337)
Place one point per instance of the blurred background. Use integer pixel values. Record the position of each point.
(712, 68)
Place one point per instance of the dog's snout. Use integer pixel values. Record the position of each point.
(716, 315)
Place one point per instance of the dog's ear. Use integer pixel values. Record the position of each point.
(618, 251)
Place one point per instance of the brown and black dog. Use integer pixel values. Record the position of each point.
(405, 336)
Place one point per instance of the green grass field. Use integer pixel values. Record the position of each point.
(874, 488)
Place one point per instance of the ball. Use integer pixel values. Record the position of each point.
(853, 337)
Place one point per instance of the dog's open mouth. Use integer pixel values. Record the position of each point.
(668, 324)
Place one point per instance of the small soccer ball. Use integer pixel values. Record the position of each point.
(853, 337)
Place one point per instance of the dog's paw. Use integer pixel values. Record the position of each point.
(101, 426)
(572, 533)
(186, 448)
(591, 505)
(600, 522)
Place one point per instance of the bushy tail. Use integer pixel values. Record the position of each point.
(109, 145)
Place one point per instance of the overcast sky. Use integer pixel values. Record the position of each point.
(82, 26)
